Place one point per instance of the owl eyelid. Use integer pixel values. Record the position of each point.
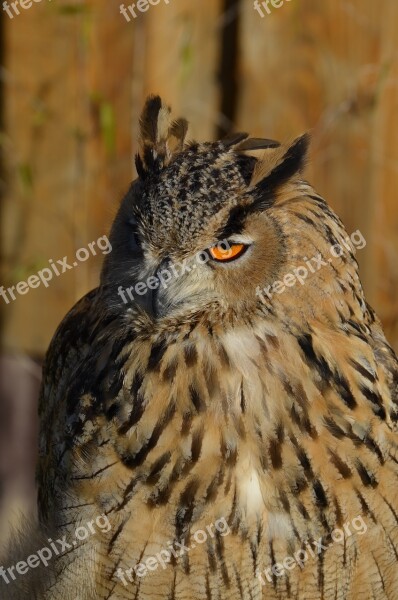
(238, 243)
(231, 244)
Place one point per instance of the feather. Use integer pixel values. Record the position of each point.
(160, 137)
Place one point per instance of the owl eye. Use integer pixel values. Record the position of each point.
(232, 252)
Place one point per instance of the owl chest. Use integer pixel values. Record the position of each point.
(195, 447)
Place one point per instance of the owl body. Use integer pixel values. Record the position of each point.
(202, 453)
(241, 444)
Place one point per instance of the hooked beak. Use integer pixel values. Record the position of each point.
(152, 301)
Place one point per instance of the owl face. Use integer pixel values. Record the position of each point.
(198, 220)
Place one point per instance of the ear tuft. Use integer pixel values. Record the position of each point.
(232, 139)
(149, 119)
(248, 151)
(160, 137)
(280, 165)
(178, 133)
(254, 144)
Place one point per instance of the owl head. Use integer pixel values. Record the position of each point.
(205, 225)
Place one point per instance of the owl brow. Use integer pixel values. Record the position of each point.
(292, 163)
(238, 215)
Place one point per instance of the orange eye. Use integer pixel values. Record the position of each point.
(225, 254)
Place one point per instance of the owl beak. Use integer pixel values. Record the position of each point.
(152, 302)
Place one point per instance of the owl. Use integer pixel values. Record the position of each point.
(219, 416)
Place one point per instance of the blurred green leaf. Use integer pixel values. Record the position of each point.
(73, 9)
(187, 58)
(22, 272)
(108, 126)
(25, 174)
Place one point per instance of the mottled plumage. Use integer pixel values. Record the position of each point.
(206, 400)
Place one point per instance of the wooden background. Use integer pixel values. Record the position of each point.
(73, 80)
